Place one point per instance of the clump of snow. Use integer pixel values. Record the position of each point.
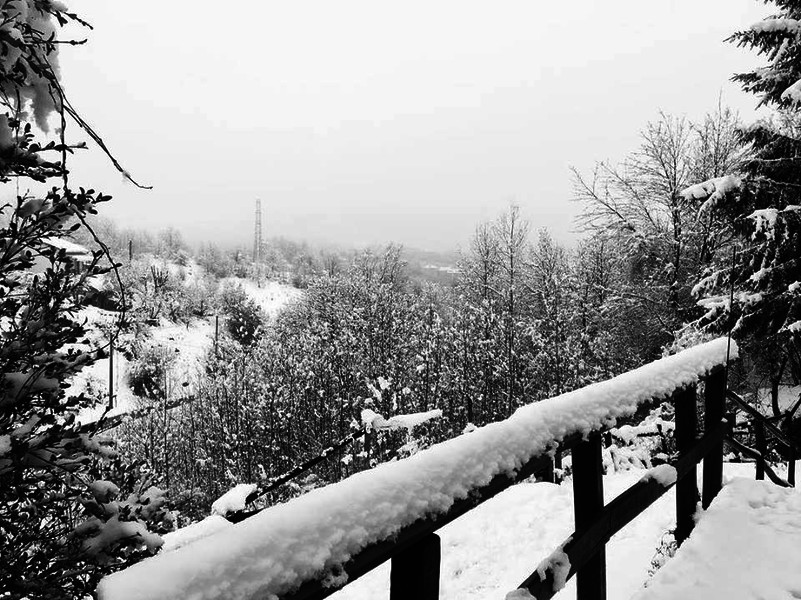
(745, 545)
(793, 93)
(186, 535)
(794, 287)
(664, 475)
(651, 425)
(233, 500)
(713, 190)
(558, 564)
(103, 490)
(794, 327)
(764, 221)
(107, 533)
(773, 25)
(617, 459)
(375, 422)
(273, 552)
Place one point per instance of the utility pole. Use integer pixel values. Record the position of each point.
(257, 241)
(111, 374)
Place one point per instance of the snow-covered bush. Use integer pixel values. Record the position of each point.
(244, 317)
(147, 377)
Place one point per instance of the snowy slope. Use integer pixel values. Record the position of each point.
(185, 344)
(272, 296)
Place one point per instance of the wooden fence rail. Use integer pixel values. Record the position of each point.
(415, 551)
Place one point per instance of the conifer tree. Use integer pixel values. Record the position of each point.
(756, 291)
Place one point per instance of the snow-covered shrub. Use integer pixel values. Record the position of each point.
(147, 377)
(644, 445)
(244, 318)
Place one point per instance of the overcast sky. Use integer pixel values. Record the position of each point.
(360, 122)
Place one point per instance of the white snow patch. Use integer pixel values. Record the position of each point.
(271, 296)
(764, 221)
(233, 500)
(664, 475)
(374, 421)
(557, 563)
(772, 25)
(5, 444)
(186, 535)
(713, 190)
(745, 545)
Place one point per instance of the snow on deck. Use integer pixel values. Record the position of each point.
(746, 546)
(274, 551)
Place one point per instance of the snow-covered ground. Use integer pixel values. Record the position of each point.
(272, 296)
(747, 545)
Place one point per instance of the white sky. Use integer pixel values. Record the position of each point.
(367, 121)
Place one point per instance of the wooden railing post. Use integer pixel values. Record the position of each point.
(714, 409)
(791, 467)
(415, 571)
(588, 501)
(687, 486)
(761, 447)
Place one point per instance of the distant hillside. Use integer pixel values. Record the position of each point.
(427, 265)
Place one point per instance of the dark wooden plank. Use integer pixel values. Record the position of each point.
(581, 545)
(415, 571)
(761, 447)
(588, 502)
(791, 467)
(714, 409)
(687, 486)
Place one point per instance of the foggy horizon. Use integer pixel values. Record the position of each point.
(409, 125)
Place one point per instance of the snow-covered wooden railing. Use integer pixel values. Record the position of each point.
(311, 546)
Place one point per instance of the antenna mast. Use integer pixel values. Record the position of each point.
(257, 241)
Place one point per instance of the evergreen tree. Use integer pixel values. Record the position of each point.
(756, 290)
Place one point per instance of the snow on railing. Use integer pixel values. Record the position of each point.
(309, 538)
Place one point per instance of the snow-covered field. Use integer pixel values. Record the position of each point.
(272, 296)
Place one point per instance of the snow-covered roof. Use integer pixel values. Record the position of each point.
(72, 249)
(273, 552)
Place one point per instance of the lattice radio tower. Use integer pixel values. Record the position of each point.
(257, 242)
